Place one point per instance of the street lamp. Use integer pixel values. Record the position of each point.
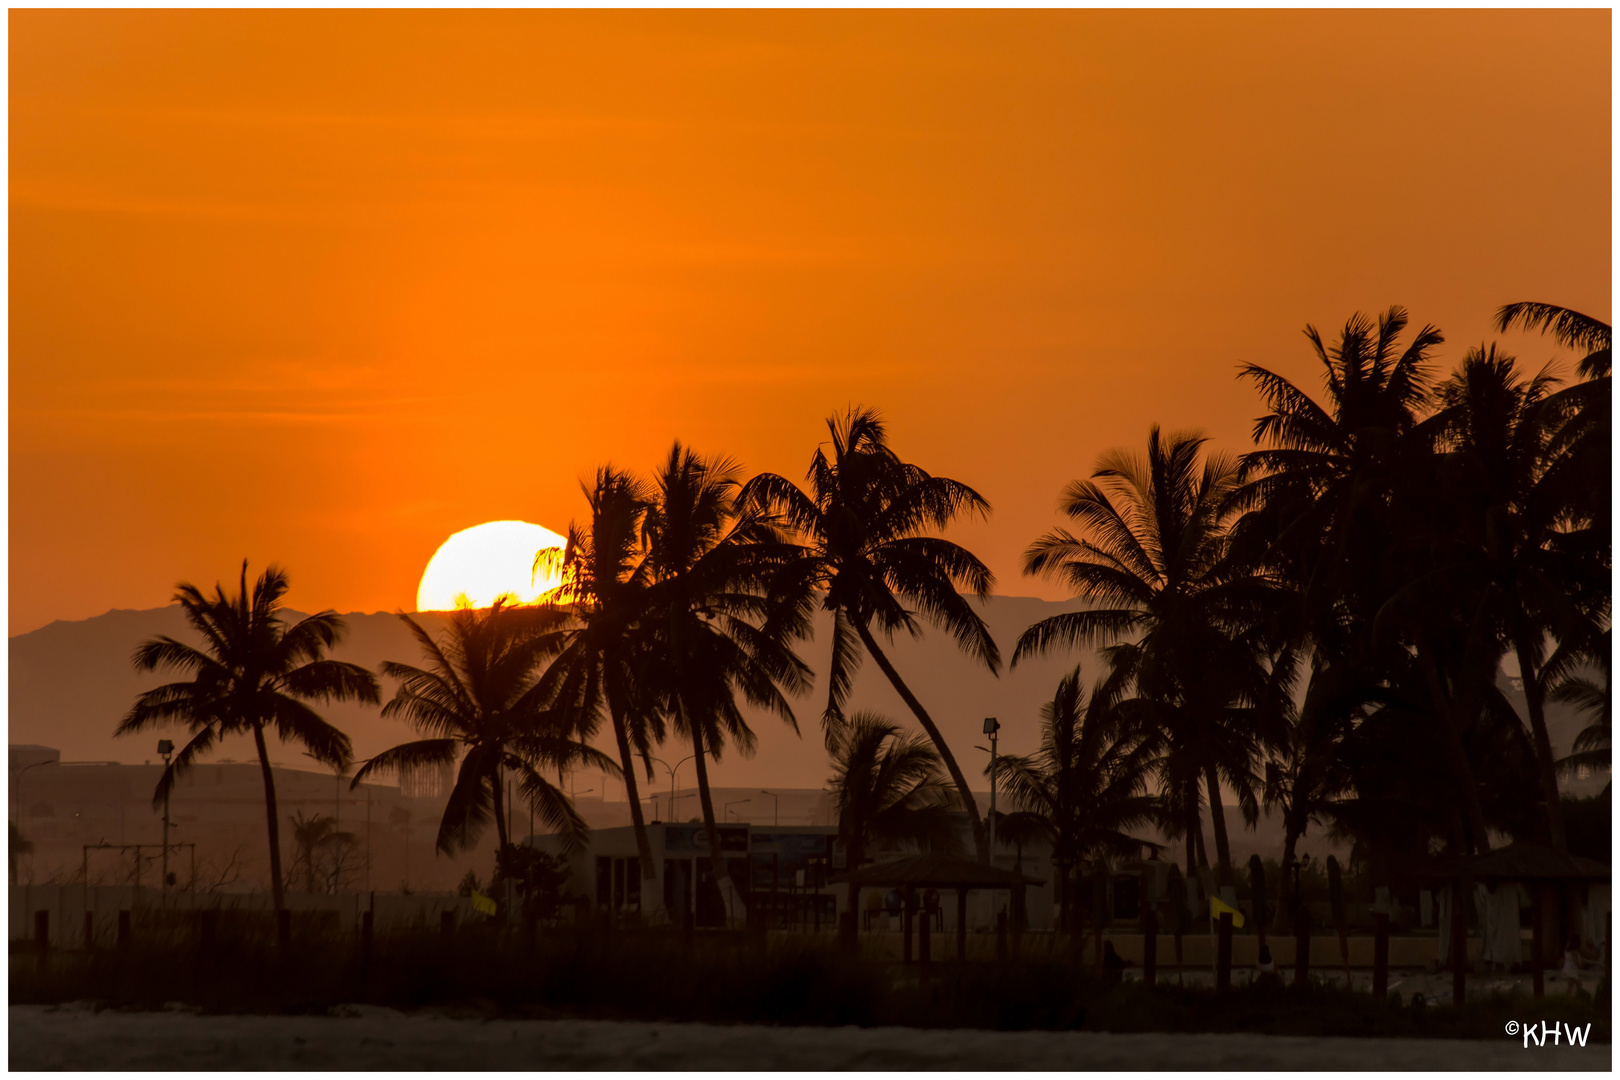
(991, 726)
(727, 808)
(166, 750)
(672, 773)
(17, 785)
(776, 806)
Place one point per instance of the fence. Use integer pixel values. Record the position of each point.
(66, 908)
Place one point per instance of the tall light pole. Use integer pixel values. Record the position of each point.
(166, 750)
(991, 726)
(672, 773)
(727, 808)
(776, 806)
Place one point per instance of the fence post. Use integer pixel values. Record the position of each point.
(1538, 988)
(42, 934)
(1001, 935)
(1302, 948)
(1150, 946)
(368, 922)
(1223, 952)
(89, 931)
(924, 939)
(123, 930)
(1461, 898)
(1380, 955)
(284, 929)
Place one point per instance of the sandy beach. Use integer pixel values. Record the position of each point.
(365, 1037)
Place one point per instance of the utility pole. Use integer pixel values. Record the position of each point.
(166, 749)
(776, 807)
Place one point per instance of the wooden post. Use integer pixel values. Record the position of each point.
(1538, 976)
(284, 929)
(1001, 935)
(1459, 941)
(89, 931)
(961, 926)
(1223, 952)
(924, 939)
(123, 930)
(42, 934)
(367, 929)
(1302, 948)
(1150, 946)
(905, 925)
(1380, 985)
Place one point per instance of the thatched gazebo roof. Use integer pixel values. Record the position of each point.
(1522, 862)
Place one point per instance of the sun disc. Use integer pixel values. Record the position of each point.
(484, 563)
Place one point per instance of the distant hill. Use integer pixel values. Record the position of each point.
(71, 683)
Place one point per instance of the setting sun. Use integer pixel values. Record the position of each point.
(485, 562)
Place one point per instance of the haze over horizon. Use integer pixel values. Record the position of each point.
(324, 287)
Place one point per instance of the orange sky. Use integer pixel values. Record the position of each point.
(324, 287)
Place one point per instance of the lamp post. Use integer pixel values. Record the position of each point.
(166, 750)
(776, 806)
(991, 727)
(672, 773)
(727, 808)
(17, 786)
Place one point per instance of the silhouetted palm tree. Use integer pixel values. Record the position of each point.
(1087, 784)
(710, 634)
(1569, 328)
(1184, 618)
(605, 580)
(310, 834)
(253, 673)
(1320, 496)
(888, 789)
(865, 523)
(1512, 520)
(478, 698)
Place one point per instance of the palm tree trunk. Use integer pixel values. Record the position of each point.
(621, 736)
(717, 861)
(278, 899)
(968, 804)
(1456, 755)
(1217, 818)
(1545, 770)
(500, 809)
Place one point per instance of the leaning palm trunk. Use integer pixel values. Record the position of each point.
(980, 843)
(621, 736)
(1217, 818)
(717, 862)
(278, 898)
(1546, 770)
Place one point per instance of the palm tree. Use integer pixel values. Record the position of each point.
(1569, 328)
(1501, 426)
(1086, 787)
(311, 834)
(865, 523)
(254, 672)
(710, 625)
(479, 698)
(606, 574)
(1319, 496)
(1184, 618)
(888, 789)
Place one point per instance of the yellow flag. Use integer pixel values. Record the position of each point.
(1217, 905)
(482, 904)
